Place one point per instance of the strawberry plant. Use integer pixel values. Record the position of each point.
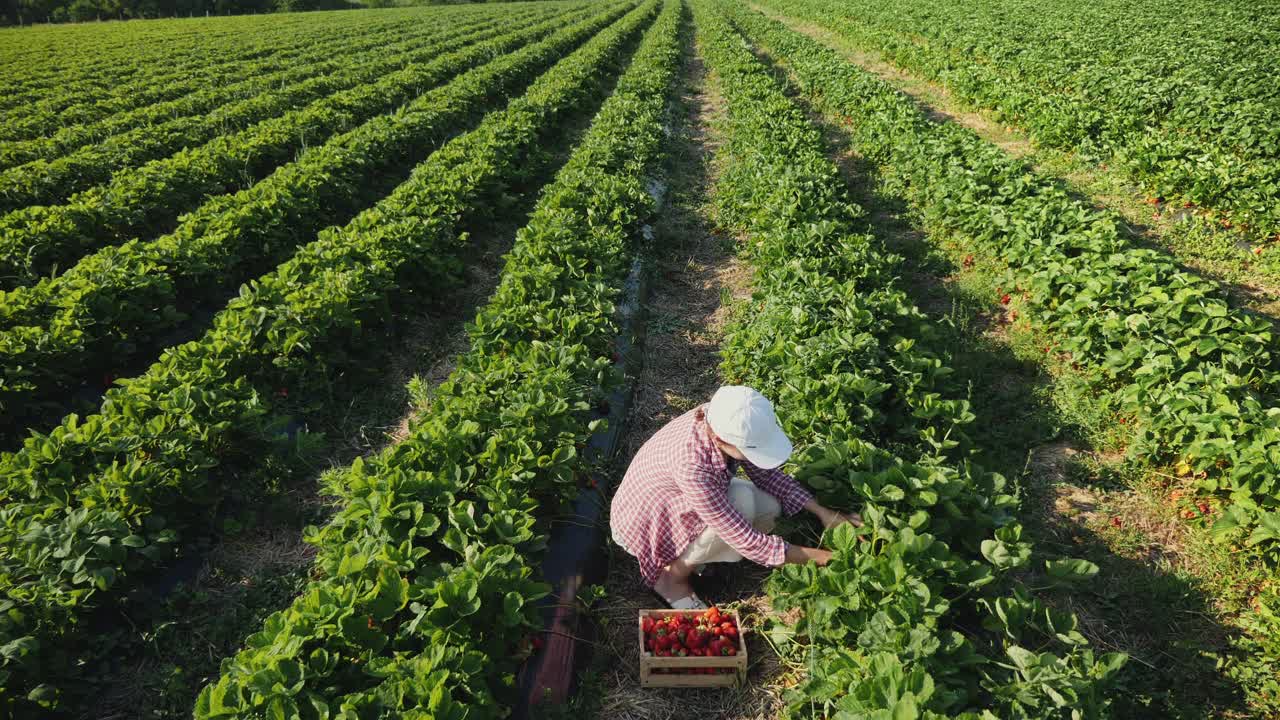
(446, 506)
(1195, 380)
(64, 122)
(115, 490)
(44, 181)
(96, 77)
(102, 309)
(1198, 377)
(145, 200)
(888, 626)
(1179, 103)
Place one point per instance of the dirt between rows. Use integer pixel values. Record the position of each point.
(695, 273)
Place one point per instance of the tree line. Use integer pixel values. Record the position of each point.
(26, 12)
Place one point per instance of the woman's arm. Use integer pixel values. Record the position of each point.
(791, 495)
(831, 518)
(794, 497)
(798, 555)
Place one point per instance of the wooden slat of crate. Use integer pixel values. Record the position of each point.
(649, 663)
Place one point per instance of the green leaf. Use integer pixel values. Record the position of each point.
(1070, 570)
(351, 564)
(905, 708)
(1268, 529)
(512, 603)
(356, 630)
(391, 594)
(1006, 556)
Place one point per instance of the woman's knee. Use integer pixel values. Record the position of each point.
(767, 511)
(742, 496)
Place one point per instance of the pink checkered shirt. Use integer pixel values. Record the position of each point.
(677, 486)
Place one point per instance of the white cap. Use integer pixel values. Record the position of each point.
(744, 418)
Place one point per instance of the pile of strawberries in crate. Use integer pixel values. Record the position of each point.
(708, 634)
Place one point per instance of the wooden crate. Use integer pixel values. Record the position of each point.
(649, 663)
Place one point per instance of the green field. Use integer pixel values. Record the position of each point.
(306, 320)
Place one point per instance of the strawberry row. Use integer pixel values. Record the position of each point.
(1196, 379)
(46, 182)
(1204, 145)
(144, 200)
(922, 611)
(88, 526)
(69, 110)
(61, 331)
(77, 69)
(275, 73)
(423, 586)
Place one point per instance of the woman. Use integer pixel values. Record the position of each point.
(680, 506)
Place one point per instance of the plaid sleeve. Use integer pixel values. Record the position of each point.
(791, 494)
(711, 502)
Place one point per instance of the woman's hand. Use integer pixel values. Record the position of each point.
(799, 555)
(839, 518)
(830, 518)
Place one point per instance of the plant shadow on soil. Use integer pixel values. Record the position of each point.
(1046, 441)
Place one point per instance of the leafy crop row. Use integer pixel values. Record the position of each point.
(90, 510)
(1196, 379)
(1193, 377)
(133, 104)
(48, 182)
(78, 70)
(922, 612)
(424, 591)
(109, 54)
(103, 309)
(34, 240)
(52, 168)
(1212, 142)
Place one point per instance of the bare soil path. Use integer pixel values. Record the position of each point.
(696, 280)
